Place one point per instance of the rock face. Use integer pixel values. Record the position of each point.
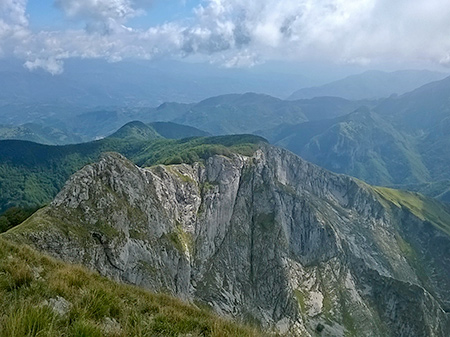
(269, 238)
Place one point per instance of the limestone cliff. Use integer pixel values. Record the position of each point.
(270, 238)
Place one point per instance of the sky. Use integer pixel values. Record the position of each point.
(43, 34)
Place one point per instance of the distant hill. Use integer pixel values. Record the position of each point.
(39, 134)
(371, 85)
(136, 131)
(230, 114)
(140, 131)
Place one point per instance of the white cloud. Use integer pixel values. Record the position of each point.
(13, 11)
(238, 33)
(13, 24)
(120, 10)
(52, 65)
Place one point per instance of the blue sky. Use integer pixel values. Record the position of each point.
(44, 14)
(228, 33)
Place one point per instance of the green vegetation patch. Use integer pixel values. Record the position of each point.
(193, 150)
(300, 300)
(14, 216)
(426, 209)
(40, 296)
(180, 239)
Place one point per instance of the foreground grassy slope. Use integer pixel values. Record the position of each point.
(32, 174)
(40, 296)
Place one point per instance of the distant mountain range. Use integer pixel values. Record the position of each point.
(115, 94)
(371, 85)
(404, 141)
(400, 141)
(225, 114)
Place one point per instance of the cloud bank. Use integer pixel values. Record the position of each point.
(236, 33)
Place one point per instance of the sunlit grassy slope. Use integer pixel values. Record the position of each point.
(40, 296)
(424, 208)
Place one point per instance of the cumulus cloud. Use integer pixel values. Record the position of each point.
(102, 15)
(238, 33)
(13, 24)
(98, 9)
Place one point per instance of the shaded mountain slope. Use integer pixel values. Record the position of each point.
(404, 142)
(361, 144)
(177, 131)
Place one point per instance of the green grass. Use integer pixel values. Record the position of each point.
(426, 209)
(300, 300)
(30, 281)
(180, 175)
(181, 240)
(193, 150)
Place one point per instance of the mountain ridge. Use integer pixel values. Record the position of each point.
(269, 238)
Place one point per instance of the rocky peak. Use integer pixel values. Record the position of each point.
(270, 238)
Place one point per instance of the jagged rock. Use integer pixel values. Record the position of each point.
(270, 238)
(111, 327)
(59, 305)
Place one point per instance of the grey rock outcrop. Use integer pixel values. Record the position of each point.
(270, 238)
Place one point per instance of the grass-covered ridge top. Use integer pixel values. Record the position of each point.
(40, 296)
(425, 208)
(192, 150)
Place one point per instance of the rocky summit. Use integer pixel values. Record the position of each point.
(269, 238)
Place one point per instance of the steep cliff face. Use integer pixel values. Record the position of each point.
(269, 238)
